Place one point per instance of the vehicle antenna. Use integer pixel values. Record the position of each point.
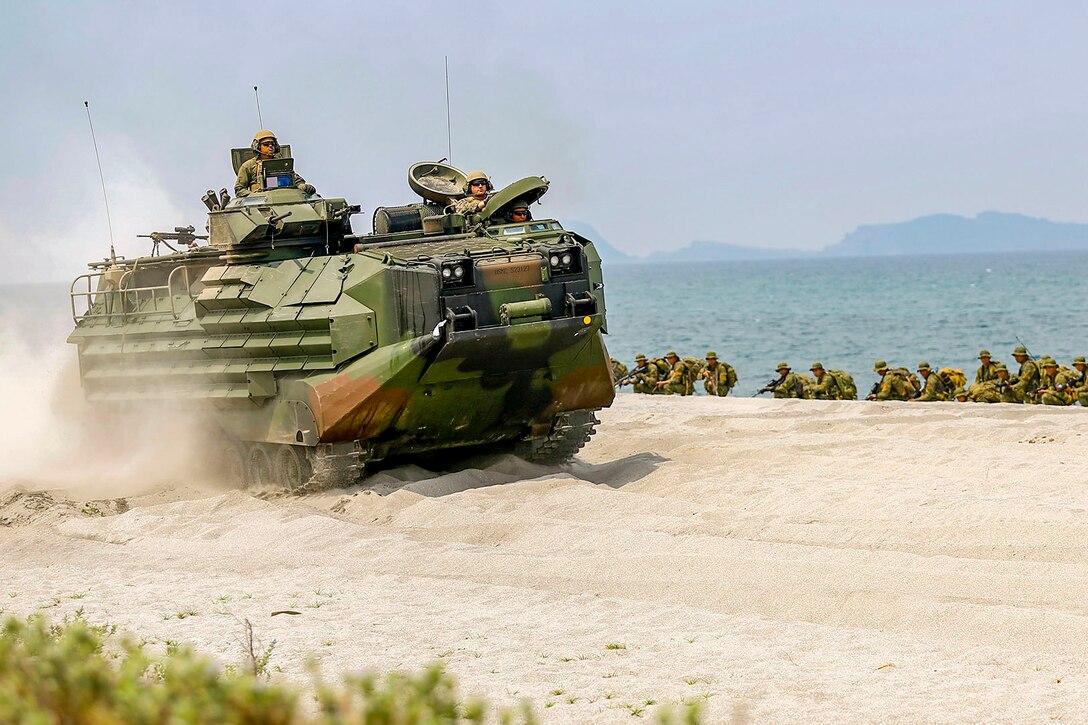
(449, 128)
(102, 178)
(1030, 356)
(258, 97)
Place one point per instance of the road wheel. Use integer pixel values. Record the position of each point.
(259, 466)
(232, 463)
(291, 468)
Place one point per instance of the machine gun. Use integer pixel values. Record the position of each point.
(772, 385)
(181, 235)
(631, 375)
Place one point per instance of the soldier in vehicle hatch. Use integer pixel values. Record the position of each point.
(477, 187)
(265, 147)
(519, 212)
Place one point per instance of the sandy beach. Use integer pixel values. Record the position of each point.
(782, 561)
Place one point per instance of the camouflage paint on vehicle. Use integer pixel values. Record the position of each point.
(291, 331)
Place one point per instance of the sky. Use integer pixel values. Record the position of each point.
(768, 124)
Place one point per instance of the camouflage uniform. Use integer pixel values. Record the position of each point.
(618, 368)
(679, 381)
(935, 388)
(825, 386)
(1026, 381)
(250, 178)
(468, 205)
(789, 384)
(998, 390)
(1054, 387)
(645, 381)
(986, 371)
(1080, 384)
(719, 379)
(894, 384)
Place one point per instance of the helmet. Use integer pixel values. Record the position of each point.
(671, 353)
(1079, 360)
(712, 355)
(923, 365)
(816, 366)
(879, 366)
(781, 366)
(476, 176)
(961, 392)
(639, 357)
(260, 136)
(520, 204)
(1020, 350)
(983, 353)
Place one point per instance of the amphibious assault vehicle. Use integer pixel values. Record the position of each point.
(314, 350)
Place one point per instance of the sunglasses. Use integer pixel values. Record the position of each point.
(479, 182)
(268, 143)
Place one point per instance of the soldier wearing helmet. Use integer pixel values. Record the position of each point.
(518, 212)
(265, 146)
(477, 187)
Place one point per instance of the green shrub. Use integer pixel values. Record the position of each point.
(78, 673)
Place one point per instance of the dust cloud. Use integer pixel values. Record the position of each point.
(52, 438)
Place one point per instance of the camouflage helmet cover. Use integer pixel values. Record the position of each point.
(983, 353)
(961, 392)
(476, 176)
(262, 135)
(671, 353)
(817, 366)
(1079, 360)
(1048, 362)
(879, 366)
(711, 355)
(640, 356)
(923, 366)
(1020, 350)
(781, 366)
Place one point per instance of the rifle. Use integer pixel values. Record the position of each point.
(182, 235)
(631, 376)
(874, 390)
(770, 386)
(711, 381)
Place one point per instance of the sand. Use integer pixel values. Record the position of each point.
(782, 561)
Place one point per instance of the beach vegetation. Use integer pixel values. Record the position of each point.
(74, 671)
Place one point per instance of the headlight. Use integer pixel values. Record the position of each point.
(565, 261)
(456, 273)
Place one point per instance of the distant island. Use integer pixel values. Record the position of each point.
(990, 231)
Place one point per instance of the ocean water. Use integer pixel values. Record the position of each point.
(847, 313)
